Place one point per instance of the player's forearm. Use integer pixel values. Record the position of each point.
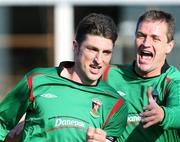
(171, 118)
(172, 108)
(12, 108)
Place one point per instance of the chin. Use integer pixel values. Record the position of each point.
(94, 77)
(143, 69)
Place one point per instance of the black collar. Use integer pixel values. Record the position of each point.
(65, 64)
(69, 64)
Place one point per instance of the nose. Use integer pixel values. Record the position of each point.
(98, 58)
(147, 41)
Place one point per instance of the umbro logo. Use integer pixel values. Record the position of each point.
(121, 93)
(49, 95)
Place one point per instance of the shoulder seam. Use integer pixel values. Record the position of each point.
(105, 74)
(114, 109)
(168, 81)
(30, 85)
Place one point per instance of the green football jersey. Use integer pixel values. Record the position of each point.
(134, 89)
(60, 110)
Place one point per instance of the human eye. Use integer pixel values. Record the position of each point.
(156, 39)
(92, 49)
(107, 52)
(140, 35)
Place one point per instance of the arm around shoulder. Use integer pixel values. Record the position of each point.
(172, 107)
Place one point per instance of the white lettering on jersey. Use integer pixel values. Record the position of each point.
(76, 123)
(134, 118)
(49, 95)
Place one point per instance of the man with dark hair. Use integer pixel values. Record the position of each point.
(150, 85)
(58, 101)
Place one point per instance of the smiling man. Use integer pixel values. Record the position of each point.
(154, 41)
(59, 101)
(150, 76)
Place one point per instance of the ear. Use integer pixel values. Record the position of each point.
(75, 46)
(170, 46)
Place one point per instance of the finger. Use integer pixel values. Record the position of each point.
(148, 119)
(100, 132)
(99, 135)
(147, 114)
(90, 133)
(149, 95)
(149, 107)
(99, 138)
(150, 123)
(92, 141)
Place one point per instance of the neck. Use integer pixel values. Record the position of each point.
(75, 75)
(157, 72)
(147, 73)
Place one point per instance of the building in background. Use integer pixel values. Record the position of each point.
(40, 34)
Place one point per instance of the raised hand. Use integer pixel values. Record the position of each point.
(153, 113)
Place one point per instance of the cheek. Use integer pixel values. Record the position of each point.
(107, 60)
(161, 49)
(138, 43)
(160, 52)
(86, 56)
(86, 59)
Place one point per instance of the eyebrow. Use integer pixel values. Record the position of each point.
(153, 35)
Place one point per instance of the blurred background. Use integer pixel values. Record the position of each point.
(40, 33)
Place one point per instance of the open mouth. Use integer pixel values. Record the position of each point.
(95, 70)
(95, 67)
(146, 54)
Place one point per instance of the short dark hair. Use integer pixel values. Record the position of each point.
(96, 24)
(157, 15)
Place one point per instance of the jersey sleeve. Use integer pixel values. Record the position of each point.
(172, 108)
(117, 119)
(13, 106)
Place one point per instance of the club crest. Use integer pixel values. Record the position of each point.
(96, 104)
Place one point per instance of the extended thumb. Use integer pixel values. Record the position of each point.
(149, 95)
